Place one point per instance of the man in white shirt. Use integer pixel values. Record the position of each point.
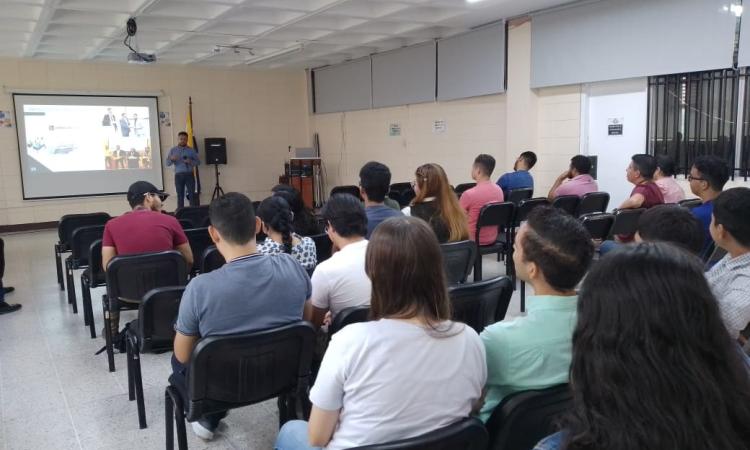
(730, 277)
(341, 282)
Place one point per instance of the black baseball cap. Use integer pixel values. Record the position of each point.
(141, 188)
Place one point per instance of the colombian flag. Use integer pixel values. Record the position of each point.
(192, 142)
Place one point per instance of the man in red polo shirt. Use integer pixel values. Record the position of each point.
(143, 230)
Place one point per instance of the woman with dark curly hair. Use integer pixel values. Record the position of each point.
(653, 366)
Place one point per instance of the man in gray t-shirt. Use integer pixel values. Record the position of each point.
(252, 292)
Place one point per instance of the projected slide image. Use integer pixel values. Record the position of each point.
(75, 138)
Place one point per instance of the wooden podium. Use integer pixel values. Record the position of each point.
(301, 176)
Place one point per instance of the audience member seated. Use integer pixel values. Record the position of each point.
(5, 307)
(475, 198)
(574, 181)
(305, 223)
(374, 182)
(407, 372)
(143, 230)
(251, 292)
(552, 253)
(520, 178)
(673, 224)
(707, 178)
(664, 178)
(730, 277)
(436, 203)
(340, 281)
(276, 224)
(653, 366)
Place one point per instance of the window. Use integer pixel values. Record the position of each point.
(694, 114)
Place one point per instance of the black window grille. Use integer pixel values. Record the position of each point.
(694, 114)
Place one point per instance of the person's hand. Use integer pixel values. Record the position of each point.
(565, 175)
(328, 319)
(174, 158)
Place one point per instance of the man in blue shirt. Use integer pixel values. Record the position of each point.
(520, 178)
(184, 159)
(374, 182)
(707, 178)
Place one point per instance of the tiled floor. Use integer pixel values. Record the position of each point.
(55, 394)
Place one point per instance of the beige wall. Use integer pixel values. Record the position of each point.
(260, 113)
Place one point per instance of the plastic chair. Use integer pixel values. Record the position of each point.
(199, 241)
(403, 193)
(516, 195)
(626, 221)
(499, 215)
(211, 259)
(194, 214)
(351, 190)
(65, 227)
(593, 202)
(323, 246)
(568, 203)
(524, 207)
(131, 277)
(467, 434)
(524, 418)
(463, 187)
(348, 316)
(482, 303)
(154, 333)
(690, 203)
(228, 372)
(92, 277)
(186, 224)
(79, 257)
(598, 224)
(458, 260)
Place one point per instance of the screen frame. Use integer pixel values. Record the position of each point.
(159, 185)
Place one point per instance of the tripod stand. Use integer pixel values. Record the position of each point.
(218, 191)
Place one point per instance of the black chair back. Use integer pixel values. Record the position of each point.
(194, 214)
(598, 224)
(496, 214)
(70, 222)
(186, 224)
(351, 190)
(211, 259)
(593, 202)
(157, 314)
(690, 203)
(568, 203)
(458, 260)
(516, 195)
(526, 206)
(467, 434)
(463, 187)
(348, 316)
(205, 222)
(199, 240)
(95, 263)
(403, 193)
(81, 241)
(524, 418)
(482, 303)
(323, 246)
(626, 221)
(132, 276)
(232, 371)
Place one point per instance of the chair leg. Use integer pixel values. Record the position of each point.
(68, 276)
(169, 420)
(131, 371)
(523, 296)
(72, 290)
(86, 320)
(108, 334)
(478, 267)
(88, 308)
(58, 266)
(138, 381)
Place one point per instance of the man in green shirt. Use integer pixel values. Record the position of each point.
(552, 254)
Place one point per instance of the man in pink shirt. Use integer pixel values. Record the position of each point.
(579, 182)
(475, 198)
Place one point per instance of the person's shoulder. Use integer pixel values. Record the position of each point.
(500, 331)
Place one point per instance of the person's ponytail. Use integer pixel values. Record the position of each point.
(277, 215)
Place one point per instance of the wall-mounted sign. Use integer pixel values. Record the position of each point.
(439, 126)
(614, 126)
(394, 129)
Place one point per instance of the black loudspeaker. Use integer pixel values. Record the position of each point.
(594, 163)
(216, 150)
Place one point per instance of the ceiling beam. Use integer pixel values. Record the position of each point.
(48, 10)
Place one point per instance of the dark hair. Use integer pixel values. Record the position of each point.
(234, 217)
(653, 365)
(645, 164)
(182, 133)
(304, 222)
(674, 224)
(375, 180)
(714, 171)
(665, 163)
(732, 211)
(403, 285)
(559, 244)
(274, 211)
(530, 158)
(582, 164)
(346, 215)
(486, 163)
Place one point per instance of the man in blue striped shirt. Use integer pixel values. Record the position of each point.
(520, 178)
(183, 158)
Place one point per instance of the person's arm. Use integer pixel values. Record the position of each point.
(171, 158)
(635, 201)
(187, 325)
(107, 254)
(321, 426)
(465, 201)
(734, 314)
(196, 158)
(319, 303)
(187, 253)
(314, 314)
(183, 347)
(558, 182)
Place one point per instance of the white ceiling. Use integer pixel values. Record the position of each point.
(186, 31)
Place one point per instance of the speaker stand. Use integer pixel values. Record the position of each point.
(218, 191)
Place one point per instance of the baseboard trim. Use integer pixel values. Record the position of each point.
(28, 227)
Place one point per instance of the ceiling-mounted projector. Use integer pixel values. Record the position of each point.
(136, 57)
(141, 58)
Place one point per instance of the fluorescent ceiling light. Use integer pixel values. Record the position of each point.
(274, 55)
(473, 1)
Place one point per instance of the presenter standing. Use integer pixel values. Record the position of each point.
(183, 158)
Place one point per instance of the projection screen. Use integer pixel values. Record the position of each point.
(77, 145)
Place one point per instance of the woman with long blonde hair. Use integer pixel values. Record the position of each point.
(437, 204)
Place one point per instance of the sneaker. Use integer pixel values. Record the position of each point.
(5, 308)
(8, 289)
(202, 429)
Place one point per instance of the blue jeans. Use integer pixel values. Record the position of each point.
(551, 442)
(293, 436)
(184, 183)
